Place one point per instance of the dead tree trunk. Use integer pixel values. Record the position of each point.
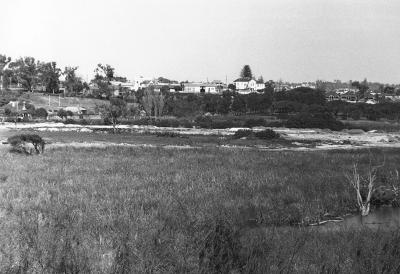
(357, 183)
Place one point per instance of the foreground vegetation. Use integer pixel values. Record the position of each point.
(149, 210)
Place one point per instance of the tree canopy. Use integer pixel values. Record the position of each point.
(49, 74)
(26, 71)
(246, 72)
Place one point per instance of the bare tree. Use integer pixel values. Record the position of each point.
(364, 187)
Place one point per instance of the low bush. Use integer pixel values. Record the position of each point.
(186, 123)
(221, 124)
(70, 121)
(21, 143)
(143, 121)
(254, 122)
(267, 134)
(167, 122)
(167, 134)
(275, 124)
(203, 121)
(308, 120)
(241, 133)
(83, 122)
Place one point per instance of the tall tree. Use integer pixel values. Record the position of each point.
(362, 87)
(4, 60)
(114, 111)
(153, 102)
(246, 72)
(26, 71)
(104, 75)
(104, 72)
(73, 83)
(49, 75)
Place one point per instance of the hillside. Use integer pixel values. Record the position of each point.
(42, 100)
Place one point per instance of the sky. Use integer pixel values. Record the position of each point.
(196, 40)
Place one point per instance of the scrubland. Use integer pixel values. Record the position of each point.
(209, 210)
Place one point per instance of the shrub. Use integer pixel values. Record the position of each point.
(167, 134)
(203, 121)
(275, 124)
(267, 134)
(167, 123)
(242, 133)
(7, 112)
(254, 122)
(220, 124)
(321, 120)
(83, 122)
(41, 112)
(70, 121)
(144, 121)
(19, 143)
(185, 123)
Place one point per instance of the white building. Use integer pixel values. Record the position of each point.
(201, 88)
(247, 85)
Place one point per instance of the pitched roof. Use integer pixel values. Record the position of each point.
(244, 79)
(200, 84)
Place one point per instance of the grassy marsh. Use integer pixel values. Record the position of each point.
(151, 210)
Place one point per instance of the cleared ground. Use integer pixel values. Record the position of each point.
(41, 100)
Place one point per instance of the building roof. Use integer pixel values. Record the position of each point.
(331, 93)
(200, 85)
(245, 79)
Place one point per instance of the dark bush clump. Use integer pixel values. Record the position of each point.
(267, 134)
(254, 122)
(144, 121)
(167, 123)
(83, 122)
(203, 121)
(70, 121)
(20, 143)
(185, 123)
(221, 124)
(308, 120)
(242, 133)
(167, 134)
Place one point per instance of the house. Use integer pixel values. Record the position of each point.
(345, 90)
(142, 82)
(332, 96)
(349, 96)
(260, 85)
(392, 97)
(201, 88)
(76, 110)
(126, 85)
(245, 85)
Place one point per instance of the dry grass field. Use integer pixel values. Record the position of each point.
(152, 210)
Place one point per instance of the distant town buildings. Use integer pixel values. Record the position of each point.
(248, 85)
(201, 88)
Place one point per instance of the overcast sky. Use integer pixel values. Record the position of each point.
(294, 40)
